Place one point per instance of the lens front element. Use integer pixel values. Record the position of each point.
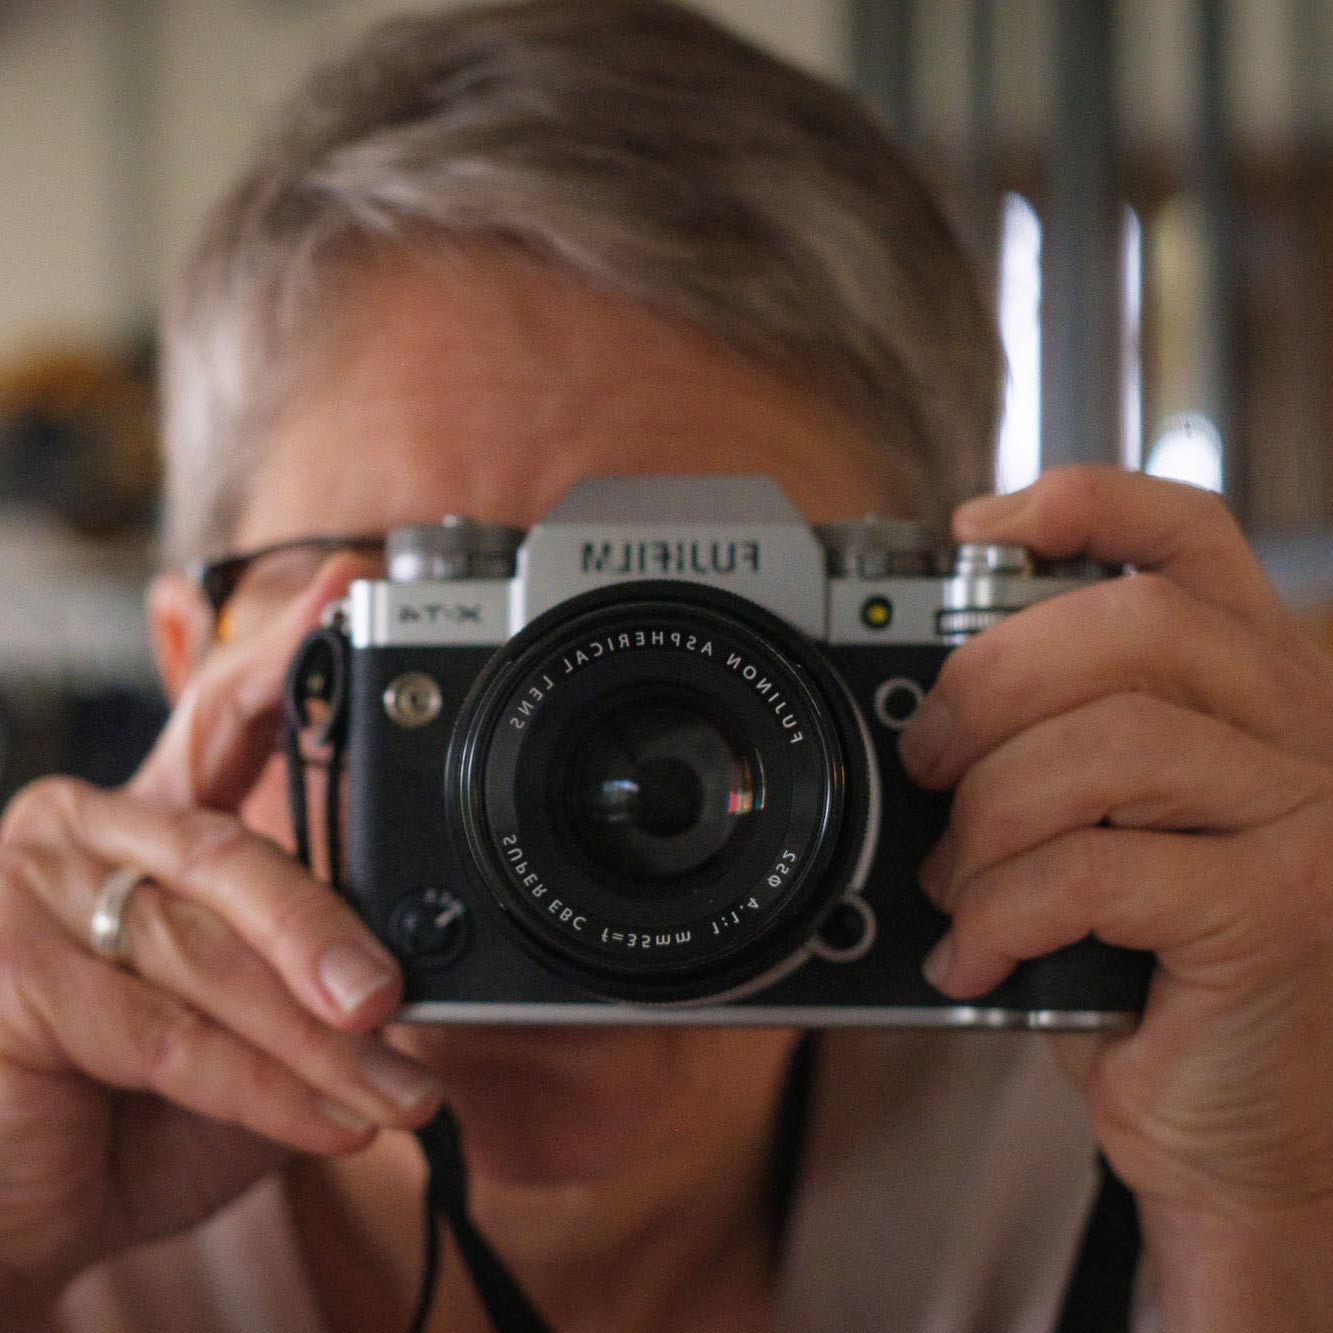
(658, 788)
(654, 785)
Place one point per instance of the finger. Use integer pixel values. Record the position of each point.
(1125, 760)
(1211, 907)
(324, 954)
(223, 730)
(1120, 517)
(189, 952)
(1141, 633)
(63, 1011)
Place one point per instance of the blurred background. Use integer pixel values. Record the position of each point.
(1147, 186)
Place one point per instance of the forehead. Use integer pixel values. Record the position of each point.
(486, 382)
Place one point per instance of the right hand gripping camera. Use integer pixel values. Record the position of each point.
(640, 765)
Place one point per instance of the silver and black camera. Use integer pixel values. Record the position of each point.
(639, 765)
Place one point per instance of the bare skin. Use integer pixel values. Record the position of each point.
(485, 387)
(1180, 720)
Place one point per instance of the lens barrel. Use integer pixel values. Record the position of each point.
(663, 786)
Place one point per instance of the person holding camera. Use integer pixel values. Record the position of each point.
(489, 254)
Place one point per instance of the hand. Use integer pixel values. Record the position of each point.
(1150, 760)
(133, 1104)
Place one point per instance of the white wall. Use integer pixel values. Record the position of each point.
(55, 272)
(87, 231)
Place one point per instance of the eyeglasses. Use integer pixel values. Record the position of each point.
(246, 589)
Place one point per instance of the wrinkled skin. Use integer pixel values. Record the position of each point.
(1149, 760)
(133, 1104)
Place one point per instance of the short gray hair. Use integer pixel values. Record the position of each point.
(632, 141)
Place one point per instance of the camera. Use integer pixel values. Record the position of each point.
(639, 765)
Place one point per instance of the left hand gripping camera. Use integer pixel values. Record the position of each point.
(639, 765)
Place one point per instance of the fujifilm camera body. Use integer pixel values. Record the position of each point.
(639, 765)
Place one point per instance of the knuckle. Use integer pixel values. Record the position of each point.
(1084, 865)
(34, 807)
(975, 915)
(1144, 599)
(29, 987)
(1142, 618)
(981, 662)
(18, 955)
(16, 869)
(309, 1045)
(1071, 490)
(978, 806)
(977, 658)
(13, 896)
(1303, 858)
(189, 939)
(207, 842)
(165, 1038)
(1118, 728)
(1075, 487)
(255, 1088)
(1208, 509)
(968, 801)
(307, 913)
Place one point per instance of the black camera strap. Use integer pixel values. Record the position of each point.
(1097, 1300)
(318, 676)
(508, 1307)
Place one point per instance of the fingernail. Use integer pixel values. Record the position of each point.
(351, 974)
(339, 1115)
(980, 517)
(938, 961)
(403, 1083)
(927, 738)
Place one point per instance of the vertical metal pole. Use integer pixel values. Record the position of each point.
(1311, 450)
(1213, 154)
(982, 178)
(1081, 246)
(883, 33)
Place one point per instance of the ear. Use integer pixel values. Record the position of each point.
(180, 625)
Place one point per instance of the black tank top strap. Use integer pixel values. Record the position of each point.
(1100, 1295)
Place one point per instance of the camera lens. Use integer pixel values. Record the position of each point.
(664, 787)
(657, 790)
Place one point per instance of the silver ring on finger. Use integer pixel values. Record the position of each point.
(106, 930)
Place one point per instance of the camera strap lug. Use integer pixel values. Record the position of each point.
(317, 677)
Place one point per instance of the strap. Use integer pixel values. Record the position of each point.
(318, 674)
(1100, 1294)
(509, 1309)
(792, 1132)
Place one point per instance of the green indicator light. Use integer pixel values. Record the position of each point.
(877, 612)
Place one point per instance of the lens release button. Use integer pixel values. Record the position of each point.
(896, 701)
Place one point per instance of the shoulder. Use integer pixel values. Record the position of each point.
(946, 1179)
